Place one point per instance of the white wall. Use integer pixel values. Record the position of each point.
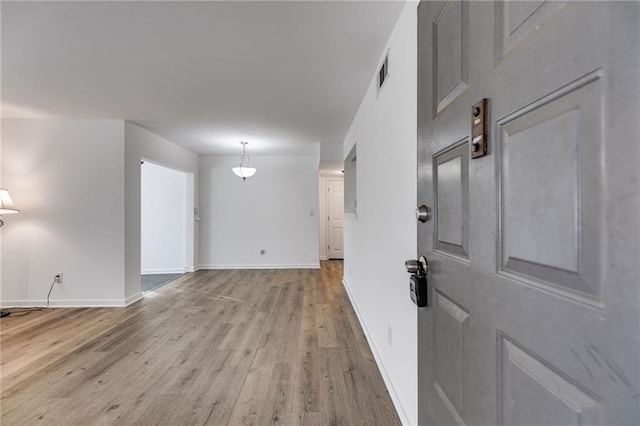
(141, 144)
(67, 178)
(270, 211)
(383, 235)
(163, 220)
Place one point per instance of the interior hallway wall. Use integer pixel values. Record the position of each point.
(141, 144)
(382, 235)
(163, 220)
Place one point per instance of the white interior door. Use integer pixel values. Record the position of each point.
(533, 316)
(335, 208)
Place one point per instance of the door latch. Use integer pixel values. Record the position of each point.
(418, 281)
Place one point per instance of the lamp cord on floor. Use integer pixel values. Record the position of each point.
(27, 311)
(23, 312)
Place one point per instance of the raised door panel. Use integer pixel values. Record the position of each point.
(451, 180)
(518, 20)
(532, 388)
(337, 209)
(450, 53)
(336, 239)
(450, 333)
(550, 166)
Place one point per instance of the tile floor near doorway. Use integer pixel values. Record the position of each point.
(212, 347)
(149, 282)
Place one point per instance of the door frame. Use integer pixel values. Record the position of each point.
(190, 215)
(323, 208)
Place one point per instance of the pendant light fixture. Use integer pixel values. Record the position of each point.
(245, 169)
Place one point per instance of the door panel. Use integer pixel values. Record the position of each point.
(450, 335)
(516, 20)
(450, 57)
(451, 188)
(533, 315)
(556, 143)
(551, 398)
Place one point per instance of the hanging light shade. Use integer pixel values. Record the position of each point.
(245, 169)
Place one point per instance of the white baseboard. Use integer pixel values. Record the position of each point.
(324, 258)
(235, 266)
(70, 303)
(162, 271)
(133, 298)
(385, 376)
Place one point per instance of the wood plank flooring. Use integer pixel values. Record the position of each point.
(213, 347)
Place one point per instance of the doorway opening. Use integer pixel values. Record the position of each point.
(331, 215)
(166, 240)
(331, 203)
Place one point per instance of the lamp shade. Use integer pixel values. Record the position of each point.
(244, 172)
(6, 203)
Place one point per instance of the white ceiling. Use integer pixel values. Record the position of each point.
(281, 75)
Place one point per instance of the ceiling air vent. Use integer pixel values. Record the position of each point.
(383, 72)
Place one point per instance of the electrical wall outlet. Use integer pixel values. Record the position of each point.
(58, 278)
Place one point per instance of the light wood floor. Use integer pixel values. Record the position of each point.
(214, 347)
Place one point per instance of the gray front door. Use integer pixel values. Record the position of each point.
(533, 315)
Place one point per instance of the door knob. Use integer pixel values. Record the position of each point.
(412, 266)
(422, 213)
(420, 266)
